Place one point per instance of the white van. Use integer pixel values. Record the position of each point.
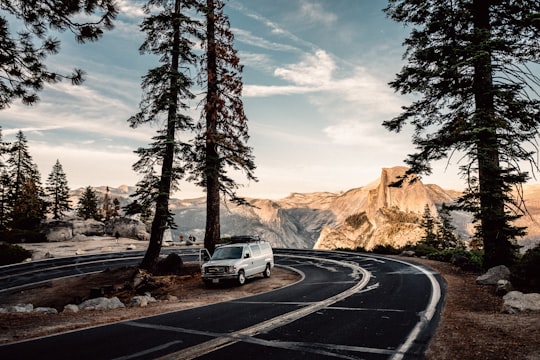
(246, 257)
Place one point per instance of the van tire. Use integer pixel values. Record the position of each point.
(267, 272)
(241, 278)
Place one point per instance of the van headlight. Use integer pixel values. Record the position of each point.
(232, 269)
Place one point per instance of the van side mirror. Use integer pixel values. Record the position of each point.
(246, 256)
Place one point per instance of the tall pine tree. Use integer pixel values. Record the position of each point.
(468, 62)
(221, 142)
(169, 33)
(27, 205)
(57, 191)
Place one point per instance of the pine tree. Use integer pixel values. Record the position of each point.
(57, 191)
(27, 205)
(445, 232)
(23, 52)
(169, 34)
(88, 205)
(468, 60)
(221, 144)
(5, 185)
(428, 223)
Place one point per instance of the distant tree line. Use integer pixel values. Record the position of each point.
(25, 202)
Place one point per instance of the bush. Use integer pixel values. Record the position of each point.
(466, 260)
(526, 272)
(386, 250)
(17, 236)
(12, 254)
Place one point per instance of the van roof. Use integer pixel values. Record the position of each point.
(245, 239)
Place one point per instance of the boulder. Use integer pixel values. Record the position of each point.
(101, 303)
(516, 302)
(88, 227)
(171, 265)
(126, 227)
(57, 230)
(493, 275)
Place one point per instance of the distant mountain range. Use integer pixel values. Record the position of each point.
(361, 217)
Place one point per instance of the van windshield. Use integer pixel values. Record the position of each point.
(227, 253)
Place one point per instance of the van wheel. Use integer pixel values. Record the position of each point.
(241, 278)
(267, 271)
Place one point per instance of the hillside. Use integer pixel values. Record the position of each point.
(362, 217)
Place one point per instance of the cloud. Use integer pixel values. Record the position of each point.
(315, 13)
(315, 70)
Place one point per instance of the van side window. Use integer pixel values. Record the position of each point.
(255, 250)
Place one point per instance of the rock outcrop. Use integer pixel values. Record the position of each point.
(78, 229)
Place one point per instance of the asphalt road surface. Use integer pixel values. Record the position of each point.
(347, 306)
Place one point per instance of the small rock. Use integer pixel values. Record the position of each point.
(138, 301)
(503, 287)
(170, 297)
(408, 253)
(101, 303)
(131, 247)
(20, 308)
(71, 308)
(45, 310)
(80, 252)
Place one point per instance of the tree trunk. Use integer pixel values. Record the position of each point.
(497, 246)
(161, 216)
(212, 234)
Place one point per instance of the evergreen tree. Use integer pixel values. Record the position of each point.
(88, 205)
(26, 203)
(468, 60)
(23, 52)
(5, 196)
(5, 185)
(221, 144)
(29, 212)
(428, 223)
(57, 191)
(169, 34)
(445, 232)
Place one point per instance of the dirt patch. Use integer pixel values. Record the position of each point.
(188, 289)
(471, 326)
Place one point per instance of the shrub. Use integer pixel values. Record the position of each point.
(464, 259)
(526, 272)
(356, 220)
(386, 250)
(22, 236)
(12, 254)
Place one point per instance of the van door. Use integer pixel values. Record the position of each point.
(247, 262)
(258, 259)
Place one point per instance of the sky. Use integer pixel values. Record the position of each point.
(316, 92)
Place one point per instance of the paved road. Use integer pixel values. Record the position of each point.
(347, 306)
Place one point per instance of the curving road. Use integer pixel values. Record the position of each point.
(347, 306)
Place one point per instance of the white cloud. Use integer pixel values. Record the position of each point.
(315, 70)
(316, 13)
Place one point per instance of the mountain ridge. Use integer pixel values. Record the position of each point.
(374, 214)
